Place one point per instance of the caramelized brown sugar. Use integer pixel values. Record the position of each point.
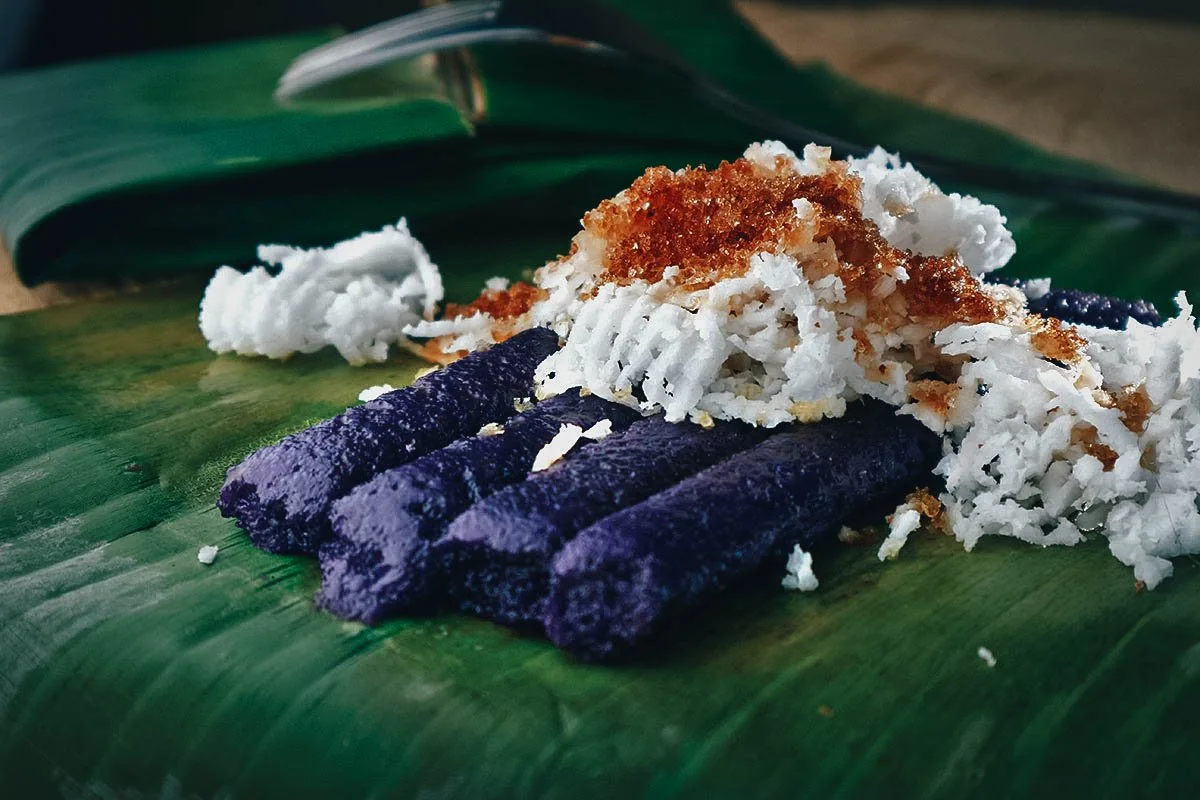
(1088, 438)
(939, 396)
(929, 507)
(500, 304)
(507, 307)
(1135, 407)
(1054, 340)
(709, 223)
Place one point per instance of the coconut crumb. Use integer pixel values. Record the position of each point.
(936, 397)
(857, 538)
(502, 304)
(207, 554)
(800, 576)
(907, 517)
(987, 656)
(491, 429)
(927, 505)
(372, 392)
(557, 448)
(902, 522)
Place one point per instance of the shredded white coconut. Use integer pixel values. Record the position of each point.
(766, 347)
(1016, 465)
(371, 392)
(913, 214)
(987, 656)
(357, 296)
(1036, 288)
(557, 448)
(799, 574)
(491, 429)
(905, 520)
(207, 554)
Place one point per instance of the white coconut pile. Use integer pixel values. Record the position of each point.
(767, 347)
(1045, 453)
(357, 296)
(1038, 448)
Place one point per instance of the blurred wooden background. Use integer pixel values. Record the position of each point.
(1116, 90)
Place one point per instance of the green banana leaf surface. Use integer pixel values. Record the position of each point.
(129, 669)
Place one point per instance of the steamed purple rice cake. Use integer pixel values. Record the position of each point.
(497, 554)
(376, 563)
(281, 494)
(1083, 308)
(617, 579)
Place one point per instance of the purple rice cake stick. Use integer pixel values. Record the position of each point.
(497, 554)
(617, 579)
(1083, 308)
(281, 494)
(376, 563)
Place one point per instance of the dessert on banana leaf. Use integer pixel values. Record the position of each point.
(808, 336)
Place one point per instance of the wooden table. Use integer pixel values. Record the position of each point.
(1113, 90)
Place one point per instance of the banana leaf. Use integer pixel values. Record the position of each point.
(129, 669)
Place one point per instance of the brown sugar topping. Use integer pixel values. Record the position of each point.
(938, 396)
(1054, 340)
(500, 304)
(1088, 437)
(1135, 406)
(940, 289)
(709, 223)
(924, 503)
(930, 508)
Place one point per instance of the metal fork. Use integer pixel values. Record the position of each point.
(591, 26)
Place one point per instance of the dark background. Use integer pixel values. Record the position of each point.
(40, 32)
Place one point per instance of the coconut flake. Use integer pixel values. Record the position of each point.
(598, 431)
(800, 576)
(491, 429)
(557, 448)
(207, 554)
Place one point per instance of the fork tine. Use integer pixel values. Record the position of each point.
(291, 85)
(428, 22)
